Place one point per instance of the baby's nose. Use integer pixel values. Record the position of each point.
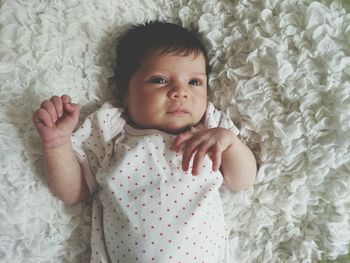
(178, 91)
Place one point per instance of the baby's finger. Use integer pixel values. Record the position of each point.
(198, 158)
(66, 99)
(68, 105)
(71, 107)
(179, 140)
(189, 149)
(57, 103)
(216, 159)
(186, 158)
(50, 109)
(72, 110)
(42, 117)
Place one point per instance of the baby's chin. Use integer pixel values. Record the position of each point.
(175, 130)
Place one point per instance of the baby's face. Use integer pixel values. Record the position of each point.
(168, 92)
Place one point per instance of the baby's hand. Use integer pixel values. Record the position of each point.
(212, 142)
(56, 120)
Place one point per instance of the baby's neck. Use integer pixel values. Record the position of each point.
(138, 127)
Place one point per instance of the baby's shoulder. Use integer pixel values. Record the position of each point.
(109, 118)
(108, 111)
(212, 116)
(218, 118)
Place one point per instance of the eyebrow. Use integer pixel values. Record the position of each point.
(151, 71)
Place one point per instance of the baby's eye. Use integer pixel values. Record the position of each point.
(195, 82)
(158, 81)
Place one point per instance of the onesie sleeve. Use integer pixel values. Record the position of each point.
(215, 118)
(92, 141)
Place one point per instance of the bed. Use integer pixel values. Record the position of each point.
(281, 71)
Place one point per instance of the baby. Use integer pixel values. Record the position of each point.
(154, 167)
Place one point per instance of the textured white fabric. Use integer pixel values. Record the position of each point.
(280, 71)
(145, 207)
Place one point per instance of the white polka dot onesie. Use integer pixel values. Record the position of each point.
(145, 207)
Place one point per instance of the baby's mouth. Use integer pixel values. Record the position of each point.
(178, 111)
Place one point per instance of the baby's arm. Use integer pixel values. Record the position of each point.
(238, 166)
(55, 122)
(235, 160)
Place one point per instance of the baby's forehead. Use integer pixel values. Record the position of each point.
(173, 59)
(172, 51)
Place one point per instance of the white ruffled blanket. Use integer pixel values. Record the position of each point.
(281, 69)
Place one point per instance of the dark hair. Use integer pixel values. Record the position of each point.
(142, 39)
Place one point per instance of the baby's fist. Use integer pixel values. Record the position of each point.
(56, 120)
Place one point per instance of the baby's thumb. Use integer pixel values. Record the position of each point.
(72, 109)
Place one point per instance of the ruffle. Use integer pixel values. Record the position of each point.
(281, 72)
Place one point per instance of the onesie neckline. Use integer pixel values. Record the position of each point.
(128, 129)
(139, 132)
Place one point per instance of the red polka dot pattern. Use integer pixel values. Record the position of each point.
(146, 209)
